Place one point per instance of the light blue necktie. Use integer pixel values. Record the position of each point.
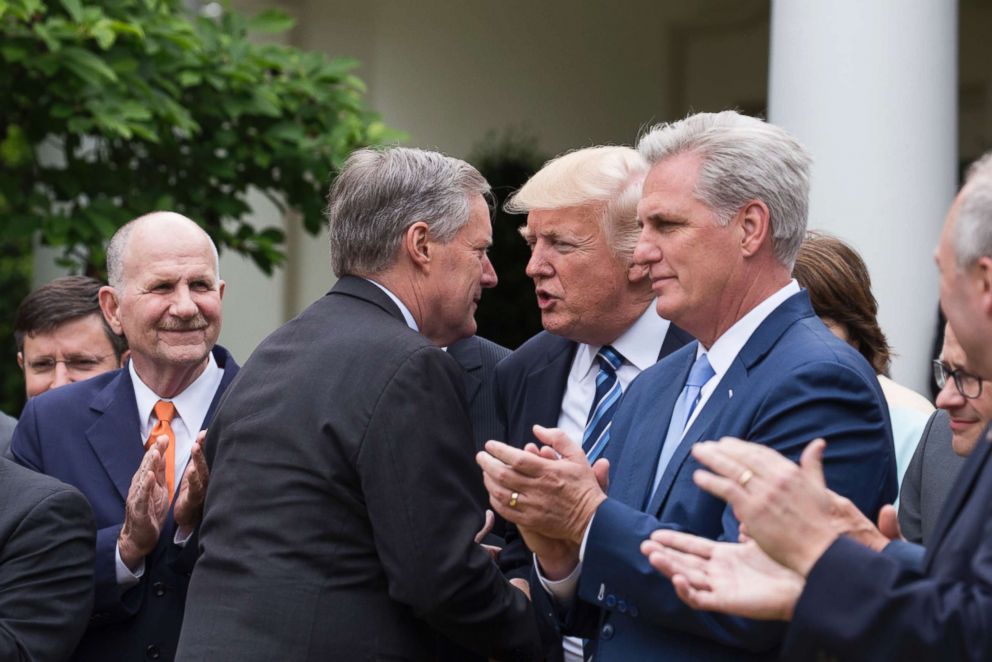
(700, 373)
(605, 403)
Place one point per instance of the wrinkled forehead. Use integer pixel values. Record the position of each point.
(172, 252)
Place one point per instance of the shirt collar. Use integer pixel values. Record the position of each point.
(407, 315)
(728, 346)
(191, 405)
(639, 345)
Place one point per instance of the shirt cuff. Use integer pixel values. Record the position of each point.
(125, 578)
(562, 590)
(182, 540)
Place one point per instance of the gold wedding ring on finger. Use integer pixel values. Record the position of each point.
(513, 499)
(745, 477)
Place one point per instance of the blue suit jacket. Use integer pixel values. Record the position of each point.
(885, 609)
(793, 381)
(87, 434)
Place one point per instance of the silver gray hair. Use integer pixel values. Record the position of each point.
(743, 159)
(608, 176)
(379, 193)
(117, 248)
(973, 228)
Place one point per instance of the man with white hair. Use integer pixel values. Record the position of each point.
(597, 309)
(128, 439)
(723, 212)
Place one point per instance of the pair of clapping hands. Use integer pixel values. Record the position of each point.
(788, 519)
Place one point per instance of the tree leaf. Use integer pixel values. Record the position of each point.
(271, 21)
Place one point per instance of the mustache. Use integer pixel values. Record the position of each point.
(193, 324)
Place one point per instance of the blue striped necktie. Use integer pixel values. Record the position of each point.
(604, 405)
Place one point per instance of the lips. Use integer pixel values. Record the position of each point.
(962, 424)
(545, 299)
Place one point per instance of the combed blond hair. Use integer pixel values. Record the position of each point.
(608, 176)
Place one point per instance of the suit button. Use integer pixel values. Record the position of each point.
(152, 652)
(633, 611)
(607, 632)
(622, 607)
(159, 589)
(611, 601)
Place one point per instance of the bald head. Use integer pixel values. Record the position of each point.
(171, 226)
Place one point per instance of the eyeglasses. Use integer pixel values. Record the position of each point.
(77, 365)
(967, 384)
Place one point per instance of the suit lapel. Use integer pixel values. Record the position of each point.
(642, 446)
(696, 432)
(761, 342)
(959, 494)
(545, 387)
(674, 339)
(115, 436)
(227, 362)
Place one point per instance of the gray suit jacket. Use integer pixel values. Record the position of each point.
(478, 358)
(928, 480)
(7, 425)
(47, 538)
(343, 502)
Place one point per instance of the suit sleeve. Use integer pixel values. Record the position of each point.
(883, 610)
(421, 487)
(46, 579)
(815, 400)
(109, 604)
(910, 502)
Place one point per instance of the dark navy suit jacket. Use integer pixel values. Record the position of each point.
(859, 605)
(87, 434)
(792, 381)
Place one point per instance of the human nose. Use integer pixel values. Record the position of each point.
(949, 397)
(646, 252)
(489, 277)
(538, 265)
(182, 303)
(60, 375)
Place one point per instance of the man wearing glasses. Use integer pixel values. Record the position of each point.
(964, 408)
(62, 338)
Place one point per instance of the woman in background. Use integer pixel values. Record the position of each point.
(840, 290)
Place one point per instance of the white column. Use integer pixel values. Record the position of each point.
(870, 88)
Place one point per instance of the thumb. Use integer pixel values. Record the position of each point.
(487, 527)
(811, 461)
(559, 441)
(888, 523)
(601, 469)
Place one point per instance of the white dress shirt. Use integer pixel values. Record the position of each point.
(191, 410)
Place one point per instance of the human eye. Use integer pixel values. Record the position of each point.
(42, 365)
(82, 364)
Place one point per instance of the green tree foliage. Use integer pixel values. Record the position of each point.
(113, 108)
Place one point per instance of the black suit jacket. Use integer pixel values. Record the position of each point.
(928, 480)
(860, 605)
(343, 502)
(88, 435)
(46, 565)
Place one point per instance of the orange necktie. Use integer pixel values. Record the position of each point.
(165, 411)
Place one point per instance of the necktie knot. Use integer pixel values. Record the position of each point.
(700, 373)
(165, 411)
(609, 358)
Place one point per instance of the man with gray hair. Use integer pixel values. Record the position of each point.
(854, 596)
(723, 212)
(343, 501)
(129, 439)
